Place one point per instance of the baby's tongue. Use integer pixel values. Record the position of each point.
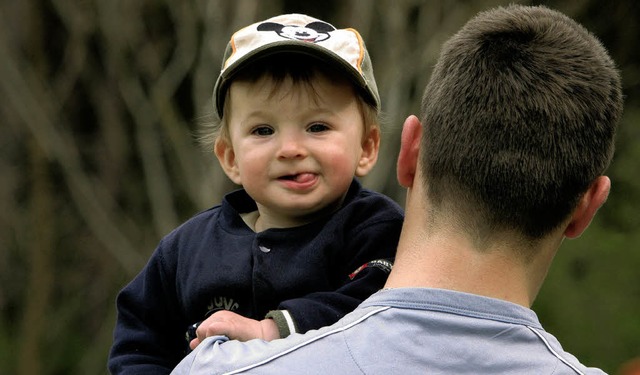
(304, 177)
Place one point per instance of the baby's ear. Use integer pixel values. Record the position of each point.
(227, 158)
(370, 148)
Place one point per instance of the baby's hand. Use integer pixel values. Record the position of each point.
(235, 327)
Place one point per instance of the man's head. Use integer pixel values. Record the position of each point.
(519, 119)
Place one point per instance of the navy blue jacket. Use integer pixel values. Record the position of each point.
(215, 261)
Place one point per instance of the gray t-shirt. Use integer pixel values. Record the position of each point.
(402, 331)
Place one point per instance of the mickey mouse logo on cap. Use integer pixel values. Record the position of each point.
(313, 32)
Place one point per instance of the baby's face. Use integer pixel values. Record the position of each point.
(297, 149)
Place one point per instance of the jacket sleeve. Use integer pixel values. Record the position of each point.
(361, 269)
(148, 338)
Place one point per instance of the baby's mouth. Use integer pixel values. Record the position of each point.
(299, 178)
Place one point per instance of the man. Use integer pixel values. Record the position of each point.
(517, 129)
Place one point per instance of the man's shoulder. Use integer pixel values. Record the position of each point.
(296, 354)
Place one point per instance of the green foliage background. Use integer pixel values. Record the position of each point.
(99, 101)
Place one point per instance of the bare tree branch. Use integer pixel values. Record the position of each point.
(35, 106)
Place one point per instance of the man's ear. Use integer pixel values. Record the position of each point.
(409, 151)
(589, 204)
(370, 148)
(227, 158)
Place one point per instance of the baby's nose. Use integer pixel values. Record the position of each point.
(291, 147)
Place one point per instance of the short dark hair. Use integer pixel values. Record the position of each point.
(520, 117)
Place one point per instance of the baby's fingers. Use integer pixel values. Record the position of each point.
(211, 328)
(194, 343)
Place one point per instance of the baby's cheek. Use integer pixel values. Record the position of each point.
(342, 169)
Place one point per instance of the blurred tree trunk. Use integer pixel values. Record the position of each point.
(40, 243)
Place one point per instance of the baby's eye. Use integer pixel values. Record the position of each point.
(262, 131)
(317, 127)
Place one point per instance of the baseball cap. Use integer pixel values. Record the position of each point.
(297, 33)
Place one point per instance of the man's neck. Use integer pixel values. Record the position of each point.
(448, 262)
